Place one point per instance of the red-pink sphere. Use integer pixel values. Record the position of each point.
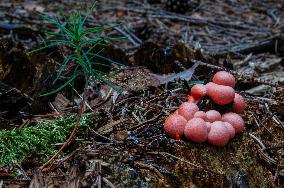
(198, 91)
(174, 125)
(187, 110)
(224, 78)
(218, 134)
(200, 114)
(235, 120)
(238, 104)
(220, 94)
(213, 115)
(196, 130)
(231, 129)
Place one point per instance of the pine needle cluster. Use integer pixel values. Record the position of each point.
(83, 41)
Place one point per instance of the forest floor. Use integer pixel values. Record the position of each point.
(121, 141)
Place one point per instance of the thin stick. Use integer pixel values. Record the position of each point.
(143, 165)
(108, 183)
(82, 107)
(82, 98)
(262, 146)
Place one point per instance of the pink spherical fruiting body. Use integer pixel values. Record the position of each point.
(224, 78)
(198, 91)
(200, 114)
(196, 130)
(238, 104)
(220, 94)
(218, 134)
(235, 120)
(213, 115)
(231, 129)
(187, 110)
(209, 84)
(174, 125)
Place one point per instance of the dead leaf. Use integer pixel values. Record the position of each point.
(184, 75)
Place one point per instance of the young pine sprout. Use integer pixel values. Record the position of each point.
(83, 41)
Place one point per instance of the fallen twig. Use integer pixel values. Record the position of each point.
(79, 115)
(143, 165)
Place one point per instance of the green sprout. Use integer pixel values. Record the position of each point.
(82, 40)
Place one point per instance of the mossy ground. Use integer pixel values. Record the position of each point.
(37, 139)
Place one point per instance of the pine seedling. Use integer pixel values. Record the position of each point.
(82, 40)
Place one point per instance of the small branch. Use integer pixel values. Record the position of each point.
(143, 165)
(129, 37)
(107, 182)
(79, 115)
(262, 146)
(81, 98)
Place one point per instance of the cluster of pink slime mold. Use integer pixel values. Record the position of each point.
(199, 126)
